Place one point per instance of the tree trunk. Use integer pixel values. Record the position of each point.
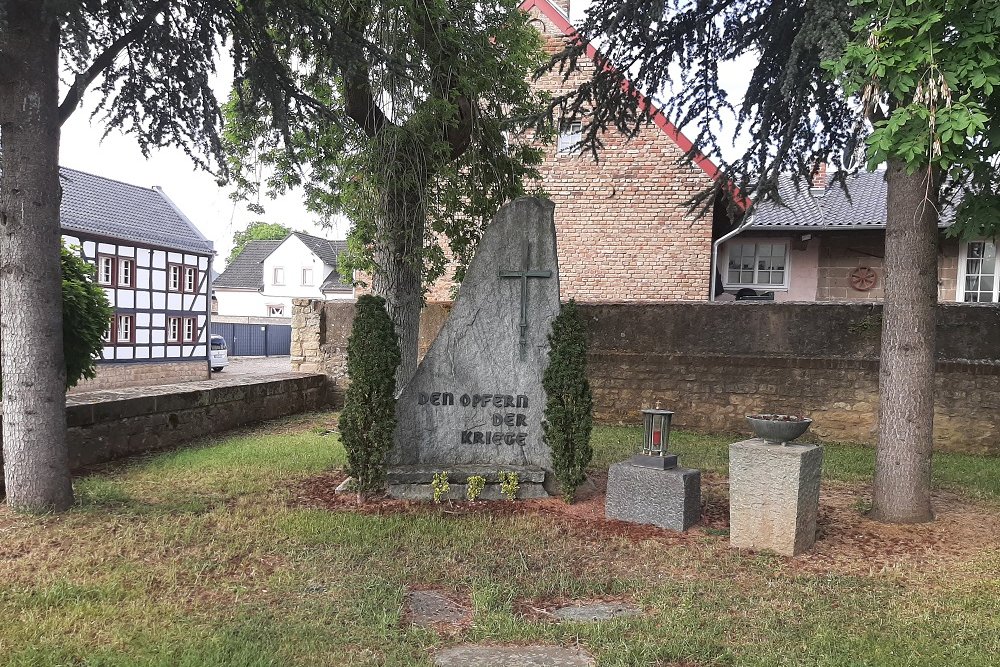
(399, 252)
(36, 465)
(906, 377)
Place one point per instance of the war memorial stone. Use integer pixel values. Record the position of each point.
(475, 405)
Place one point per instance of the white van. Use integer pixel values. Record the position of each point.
(220, 354)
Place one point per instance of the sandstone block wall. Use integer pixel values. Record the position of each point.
(714, 363)
(104, 426)
(121, 376)
(320, 330)
(107, 425)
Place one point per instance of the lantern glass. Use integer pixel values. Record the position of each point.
(656, 427)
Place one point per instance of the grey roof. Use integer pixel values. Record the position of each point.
(327, 251)
(115, 210)
(246, 271)
(863, 206)
(324, 249)
(335, 283)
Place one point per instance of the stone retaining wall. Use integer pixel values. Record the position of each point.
(713, 363)
(108, 425)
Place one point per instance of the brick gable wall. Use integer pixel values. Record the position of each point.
(623, 227)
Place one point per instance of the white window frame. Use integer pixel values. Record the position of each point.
(278, 270)
(108, 336)
(724, 265)
(126, 269)
(190, 325)
(963, 258)
(105, 262)
(307, 282)
(190, 279)
(173, 329)
(570, 135)
(276, 310)
(129, 328)
(174, 271)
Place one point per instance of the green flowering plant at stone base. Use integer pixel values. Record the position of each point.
(368, 420)
(440, 486)
(476, 484)
(569, 408)
(509, 484)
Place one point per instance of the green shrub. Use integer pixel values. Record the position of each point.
(568, 412)
(368, 420)
(86, 316)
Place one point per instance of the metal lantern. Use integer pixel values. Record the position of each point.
(656, 438)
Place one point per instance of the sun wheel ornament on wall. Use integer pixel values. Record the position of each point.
(863, 278)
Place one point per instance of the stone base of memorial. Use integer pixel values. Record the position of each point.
(669, 498)
(414, 482)
(774, 496)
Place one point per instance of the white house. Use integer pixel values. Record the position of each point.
(267, 275)
(153, 264)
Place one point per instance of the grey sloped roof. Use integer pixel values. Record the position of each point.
(246, 271)
(862, 206)
(335, 283)
(325, 249)
(328, 252)
(105, 207)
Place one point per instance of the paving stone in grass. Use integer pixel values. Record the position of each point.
(595, 611)
(512, 656)
(433, 608)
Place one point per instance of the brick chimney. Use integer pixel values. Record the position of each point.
(818, 180)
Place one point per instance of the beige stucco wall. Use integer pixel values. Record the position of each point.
(820, 268)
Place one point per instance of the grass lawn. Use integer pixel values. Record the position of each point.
(208, 556)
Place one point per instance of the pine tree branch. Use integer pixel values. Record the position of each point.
(105, 59)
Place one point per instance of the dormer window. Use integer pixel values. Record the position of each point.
(279, 276)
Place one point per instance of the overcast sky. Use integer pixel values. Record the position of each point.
(194, 191)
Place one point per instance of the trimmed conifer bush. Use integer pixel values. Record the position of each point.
(569, 406)
(368, 420)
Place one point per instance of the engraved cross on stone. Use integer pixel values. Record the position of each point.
(524, 274)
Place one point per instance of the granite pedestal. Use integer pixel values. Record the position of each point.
(774, 496)
(666, 498)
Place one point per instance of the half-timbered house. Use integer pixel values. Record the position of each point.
(154, 266)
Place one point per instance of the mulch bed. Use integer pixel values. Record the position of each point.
(847, 540)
